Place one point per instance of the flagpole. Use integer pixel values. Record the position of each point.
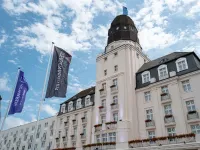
(6, 114)
(42, 97)
(0, 108)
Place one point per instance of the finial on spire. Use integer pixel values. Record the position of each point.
(125, 11)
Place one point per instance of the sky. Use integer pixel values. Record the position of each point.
(27, 29)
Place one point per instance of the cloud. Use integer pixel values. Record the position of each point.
(3, 37)
(49, 110)
(12, 121)
(14, 61)
(35, 93)
(4, 80)
(55, 101)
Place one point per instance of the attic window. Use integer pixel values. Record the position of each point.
(164, 60)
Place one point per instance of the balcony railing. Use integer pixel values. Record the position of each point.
(66, 124)
(111, 125)
(149, 123)
(165, 97)
(84, 119)
(163, 77)
(114, 89)
(83, 136)
(98, 127)
(169, 119)
(73, 137)
(100, 146)
(114, 106)
(102, 109)
(57, 140)
(159, 141)
(74, 122)
(192, 115)
(102, 93)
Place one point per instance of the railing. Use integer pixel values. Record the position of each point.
(150, 123)
(66, 124)
(84, 120)
(103, 93)
(100, 146)
(111, 125)
(169, 119)
(98, 127)
(114, 88)
(83, 136)
(102, 110)
(163, 77)
(74, 122)
(57, 140)
(184, 138)
(73, 138)
(165, 96)
(192, 115)
(114, 106)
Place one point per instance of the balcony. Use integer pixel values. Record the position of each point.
(74, 122)
(102, 109)
(111, 125)
(192, 116)
(84, 120)
(83, 136)
(150, 123)
(57, 140)
(169, 120)
(73, 137)
(66, 124)
(100, 146)
(64, 139)
(165, 97)
(102, 93)
(114, 106)
(163, 141)
(51, 127)
(98, 127)
(114, 89)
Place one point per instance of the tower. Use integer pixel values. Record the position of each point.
(115, 100)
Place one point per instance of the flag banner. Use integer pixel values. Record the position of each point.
(125, 11)
(58, 79)
(19, 96)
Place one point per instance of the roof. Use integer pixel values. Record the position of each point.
(122, 19)
(162, 60)
(81, 94)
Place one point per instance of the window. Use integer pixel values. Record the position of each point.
(83, 142)
(149, 114)
(66, 132)
(115, 99)
(74, 144)
(75, 131)
(112, 137)
(186, 86)
(46, 124)
(162, 72)
(87, 100)
(116, 68)
(63, 108)
(171, 131)
(59, 134)
(33, 128)
(103, 103)
(84, 130)
(195, 129)
(29, 146)
(98, 138)
(78, 104)
(23, 147)
(43, 143)
(164, 89)
(181, 64)
(103, 119)
(115, 116)
(168, 109)
(67, 118)
(51, 133)
(151, 134)
(137, 55)
(145, 77)
(61, 121)
(105, 72)
(70, 106)
(104, 86)
(147, 96)
(115, 82)
(104, 137)
(190, 105)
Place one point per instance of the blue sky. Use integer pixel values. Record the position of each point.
(80, 27)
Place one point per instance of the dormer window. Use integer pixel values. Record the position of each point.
(145, 77)
(87, 100)
(181, 64)
(163, 72)
(63, 108)
(70, 106)
(78, 104)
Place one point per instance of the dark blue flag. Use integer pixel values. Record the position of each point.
(125, 11)
(19, 95)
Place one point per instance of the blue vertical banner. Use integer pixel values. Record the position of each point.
(125, 11)
(19, 96)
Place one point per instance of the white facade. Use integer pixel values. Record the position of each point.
(21, 137)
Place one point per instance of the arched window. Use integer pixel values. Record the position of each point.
(145, 77)
(87, 100)
(63, 108)
(78, 104)
(70, 106)
(181, 64)
(163, 72)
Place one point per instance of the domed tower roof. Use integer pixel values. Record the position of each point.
(122, 28)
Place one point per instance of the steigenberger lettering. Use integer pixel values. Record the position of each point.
(18, 95)
(59, 71)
